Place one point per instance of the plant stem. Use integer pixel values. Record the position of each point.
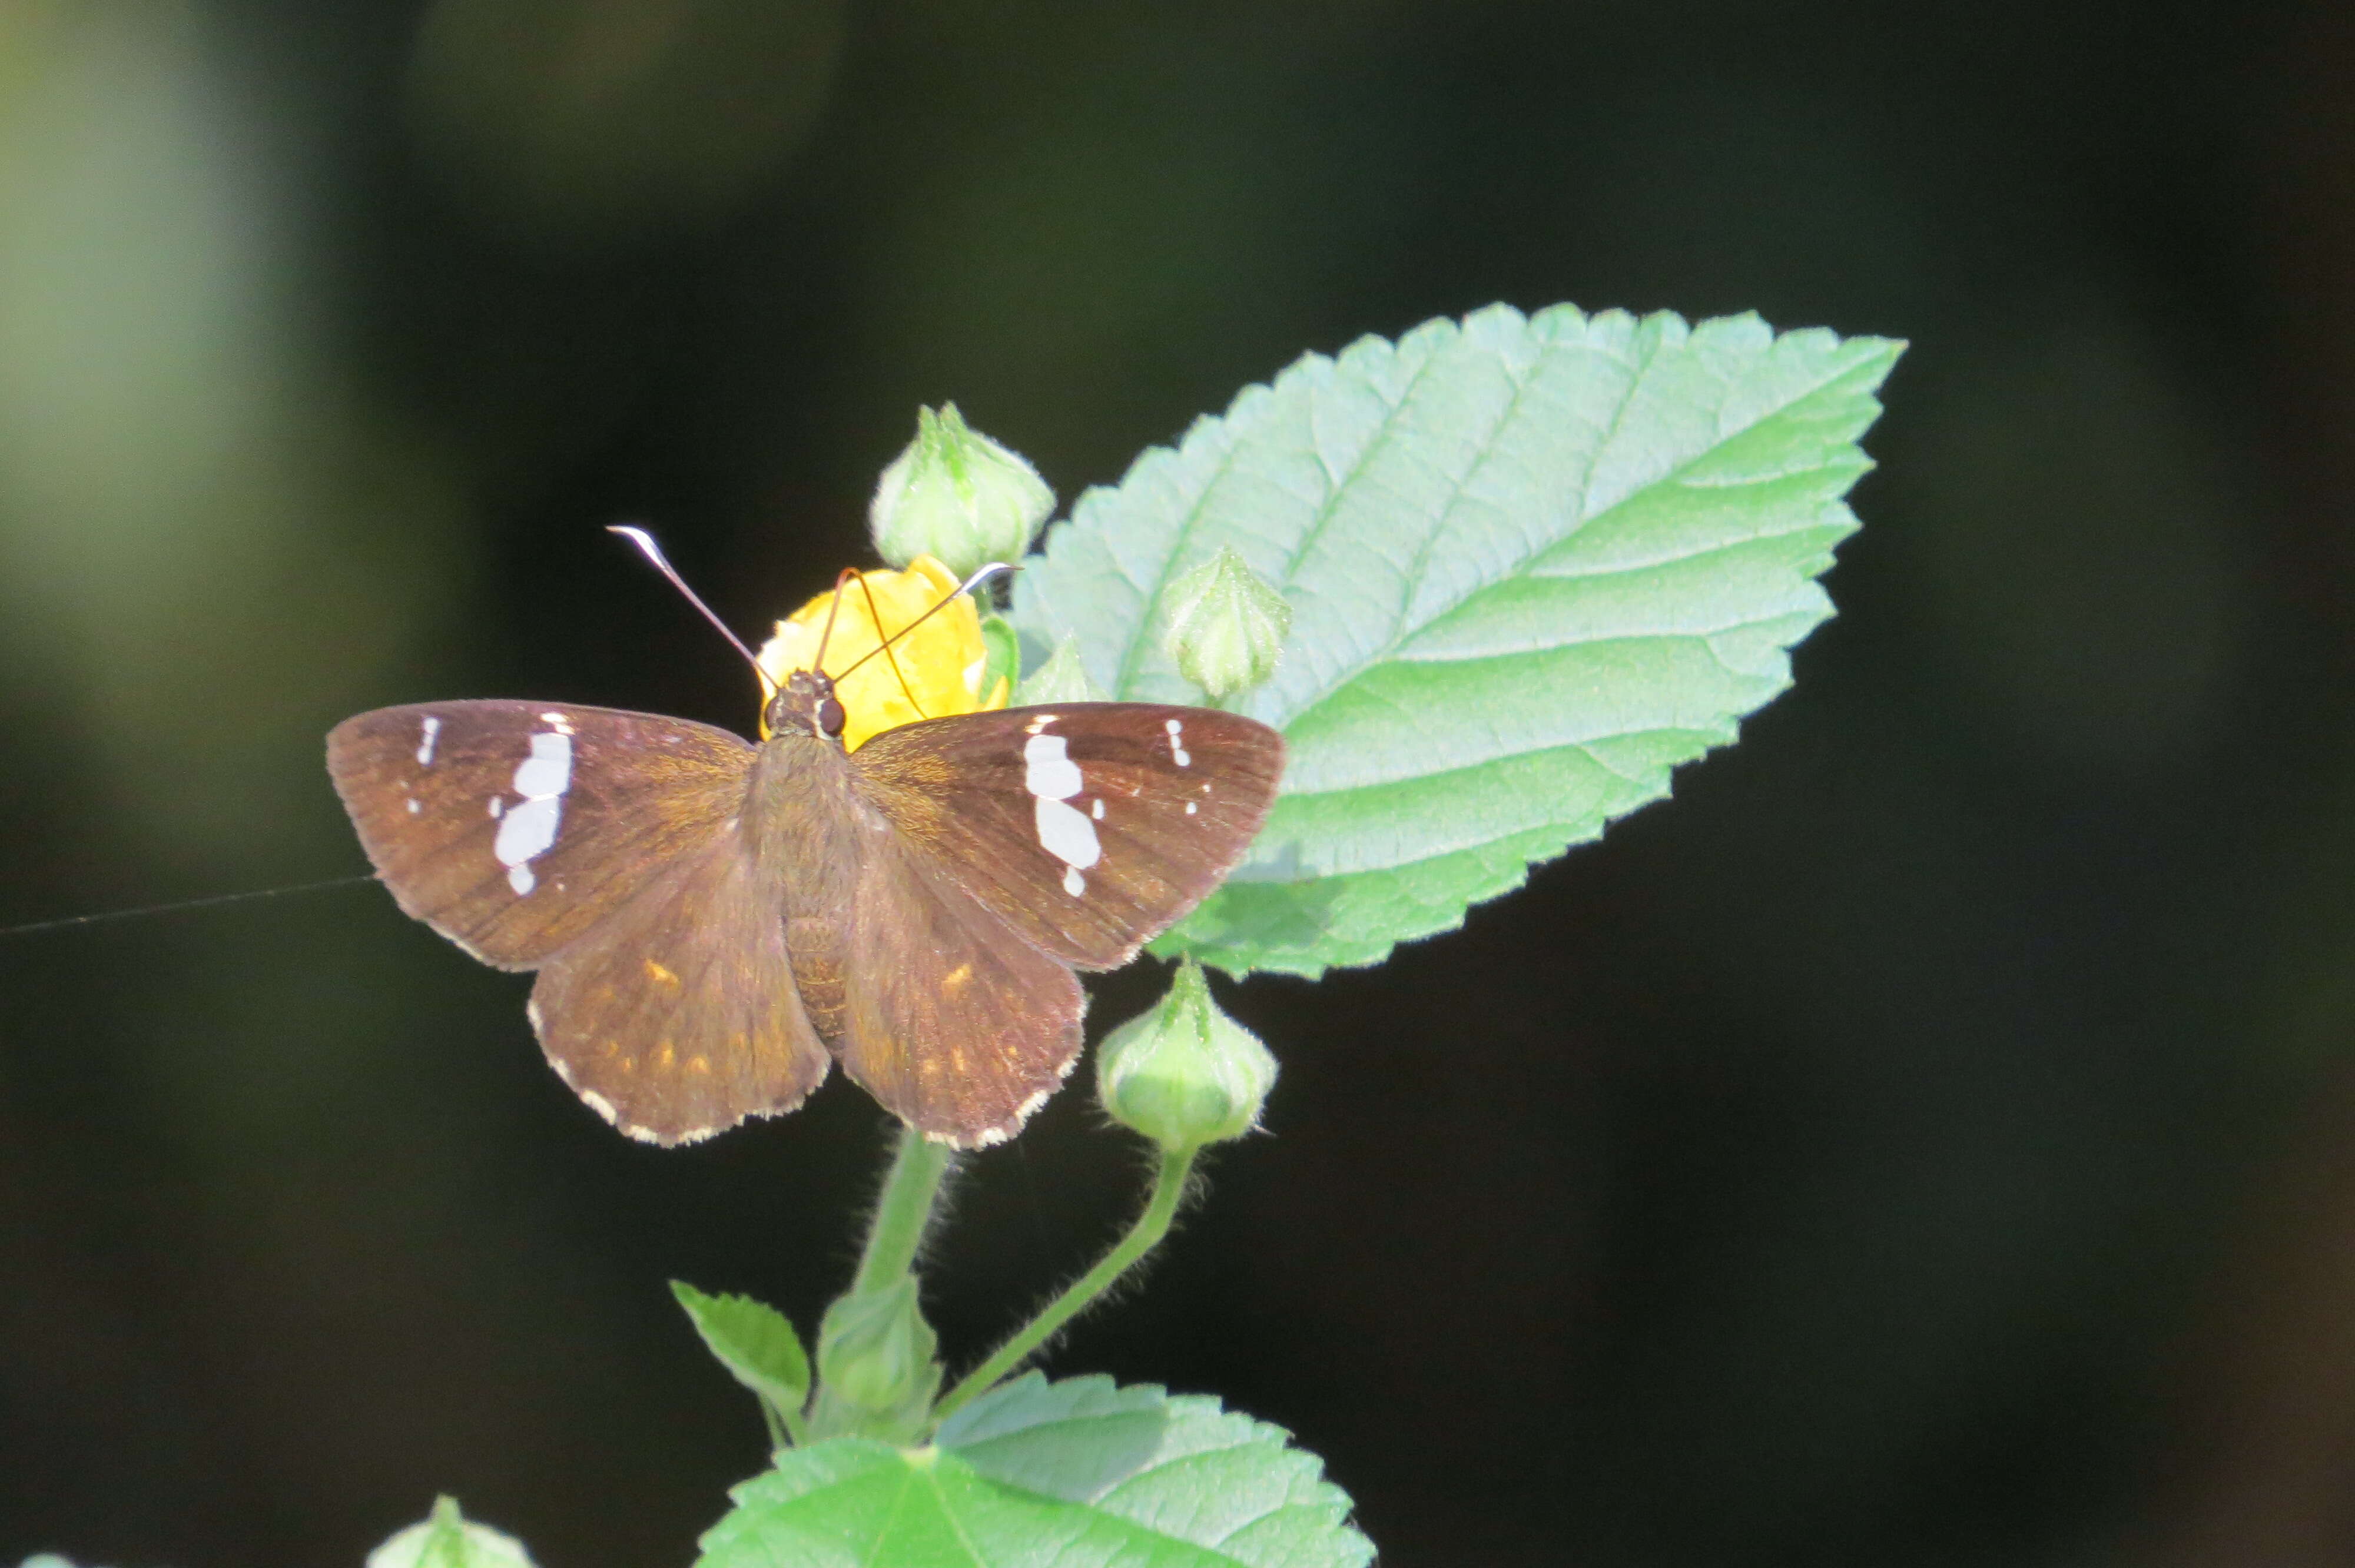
(1143, 1236)
(785, 1430)
(903, 1212)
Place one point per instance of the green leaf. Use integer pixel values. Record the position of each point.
(1533, 563)
(756, 1343)
(1002, 651)
(1078, 1474)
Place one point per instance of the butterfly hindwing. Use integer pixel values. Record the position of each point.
(1087, 828)
(677, 1017)
(514, 828)
(957, 1025)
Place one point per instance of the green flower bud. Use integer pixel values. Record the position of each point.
(448, 1540)
(877, 1366)
(1226, 626)
(1063, 678)
(1185, 1075)
(958, 496)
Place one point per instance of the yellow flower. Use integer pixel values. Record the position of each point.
(939, 666)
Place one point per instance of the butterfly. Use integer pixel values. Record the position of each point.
(715, 922)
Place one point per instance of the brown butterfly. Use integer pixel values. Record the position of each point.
(713, 920)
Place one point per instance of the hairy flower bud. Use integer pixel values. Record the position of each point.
(1185, 1074)
(448, 1540)
(1226, 626)
(877, 1366)
(958, 496)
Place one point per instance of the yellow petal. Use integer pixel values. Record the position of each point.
(931, 673)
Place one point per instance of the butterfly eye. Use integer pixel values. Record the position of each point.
(830, 718)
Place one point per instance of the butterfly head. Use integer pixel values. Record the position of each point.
(806, 705)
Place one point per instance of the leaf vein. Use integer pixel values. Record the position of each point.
(1389, 653)
(1700, 634)
(931, 1480)
(1334, 491)
(1514, 753)
(1398, 629)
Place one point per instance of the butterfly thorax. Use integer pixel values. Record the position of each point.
(802, 818)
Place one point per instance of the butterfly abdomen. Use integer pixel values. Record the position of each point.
(801, 821)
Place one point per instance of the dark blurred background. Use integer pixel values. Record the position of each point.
(1926, 1139)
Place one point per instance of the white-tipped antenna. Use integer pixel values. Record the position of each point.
(653, 552)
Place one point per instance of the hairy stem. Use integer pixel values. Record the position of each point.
(1143, 1236)
(903, 1212)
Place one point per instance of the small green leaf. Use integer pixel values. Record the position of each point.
(1040, 1475)
(1002, 651)
(447, 1538)
(1534, 563)
(755, 1342)
(1062, 679)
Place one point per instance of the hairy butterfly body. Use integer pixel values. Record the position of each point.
(714, 922)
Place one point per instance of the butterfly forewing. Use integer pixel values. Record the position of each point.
(513, 827)
(1087, 828)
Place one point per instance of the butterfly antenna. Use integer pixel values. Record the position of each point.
(653, 552)
(825, 634)
(884, 647)
(963, 588)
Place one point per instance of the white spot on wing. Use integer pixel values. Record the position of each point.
(1177, 752)
(1095, 809)
(548, 771)
(1064, 830)
(1049, 772)
(498, 804)
(413, 807)
(528, 832)
(1189, 808)
(426, 733)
